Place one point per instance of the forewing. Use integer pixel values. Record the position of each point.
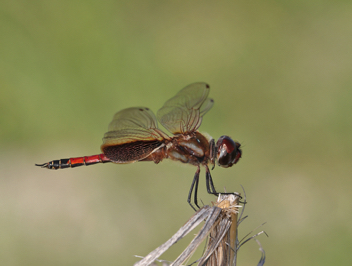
(133, 124)
(183, 113)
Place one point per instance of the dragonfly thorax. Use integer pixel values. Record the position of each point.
(191, 148)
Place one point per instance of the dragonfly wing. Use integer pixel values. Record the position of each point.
(183, 113)
(132, 135)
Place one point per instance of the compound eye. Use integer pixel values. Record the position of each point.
(224, 158)
(228, 151)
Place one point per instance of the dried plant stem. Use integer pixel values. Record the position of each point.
(221, 227)
(221, 248)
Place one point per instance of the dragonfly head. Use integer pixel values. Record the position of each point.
(228, 152)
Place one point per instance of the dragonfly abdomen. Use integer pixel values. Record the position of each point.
(74, 162)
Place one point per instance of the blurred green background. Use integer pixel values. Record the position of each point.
(280, 74)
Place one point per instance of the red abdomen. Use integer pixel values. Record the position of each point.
(74, 162)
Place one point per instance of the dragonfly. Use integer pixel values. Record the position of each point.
(134, 136)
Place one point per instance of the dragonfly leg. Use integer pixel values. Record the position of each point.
(194, 183)
(209, 182)
(210, 185)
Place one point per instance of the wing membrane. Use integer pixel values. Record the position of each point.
(133, 124)
(183, 113)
